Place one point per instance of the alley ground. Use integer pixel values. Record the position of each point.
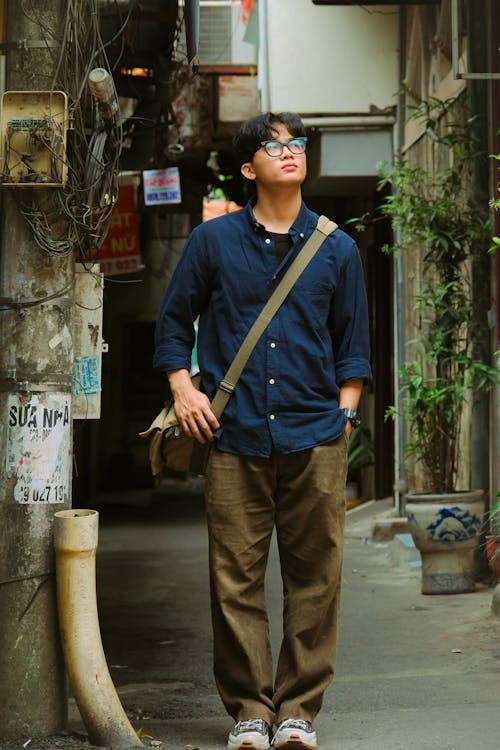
(414, 672)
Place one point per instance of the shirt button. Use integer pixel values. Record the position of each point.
(272, 345)
(271, 416)
(268, 241)
(272, 381)
(301, 235)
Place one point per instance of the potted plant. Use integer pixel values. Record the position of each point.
(494, 520)
(437, 218)
(493, 555)
(493, 539)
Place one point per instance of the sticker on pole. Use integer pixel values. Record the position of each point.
(38, 447)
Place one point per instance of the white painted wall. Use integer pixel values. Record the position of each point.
(331, 59)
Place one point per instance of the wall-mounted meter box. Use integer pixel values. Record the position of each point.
(33, 130)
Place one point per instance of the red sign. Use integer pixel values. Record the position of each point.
(120, 252)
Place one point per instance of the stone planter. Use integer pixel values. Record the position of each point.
(445, 529)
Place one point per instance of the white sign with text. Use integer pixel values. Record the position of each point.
(161, 186)
(39, 447)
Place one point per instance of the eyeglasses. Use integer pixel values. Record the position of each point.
(294, 145)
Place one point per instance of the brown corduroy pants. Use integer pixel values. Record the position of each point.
(303, 495)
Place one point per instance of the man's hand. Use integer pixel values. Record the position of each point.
(192, 407)
(349, 396)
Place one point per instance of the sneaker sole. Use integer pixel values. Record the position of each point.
(292, 744)
(249, 745)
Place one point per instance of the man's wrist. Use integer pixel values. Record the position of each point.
(178, 380)
(353, 416)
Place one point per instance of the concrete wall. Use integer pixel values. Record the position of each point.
(331, 59)
(427, 155)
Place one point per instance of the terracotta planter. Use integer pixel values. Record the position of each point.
(495, 526)
(493, 555)
(352, 499)
(445, 529)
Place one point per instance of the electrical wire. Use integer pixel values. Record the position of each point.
(372, 11)
(8, 304)
(76, 217)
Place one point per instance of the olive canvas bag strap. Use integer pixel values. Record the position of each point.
(324, 228)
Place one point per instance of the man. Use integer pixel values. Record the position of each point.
(279, 456)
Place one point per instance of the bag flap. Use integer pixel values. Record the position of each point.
(165, 419)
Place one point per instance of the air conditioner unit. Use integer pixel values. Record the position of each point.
(221, 35)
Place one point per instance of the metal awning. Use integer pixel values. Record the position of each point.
(343, 161)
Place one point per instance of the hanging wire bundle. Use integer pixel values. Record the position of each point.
(76, 217)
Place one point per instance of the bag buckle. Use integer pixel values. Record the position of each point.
(226, 386)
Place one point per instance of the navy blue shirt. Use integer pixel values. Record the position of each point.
(287, 397)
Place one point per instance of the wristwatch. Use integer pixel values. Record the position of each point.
(353, 417)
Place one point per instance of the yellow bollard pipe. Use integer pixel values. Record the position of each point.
(75, 541)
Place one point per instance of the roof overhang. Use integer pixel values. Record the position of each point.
(344, 161)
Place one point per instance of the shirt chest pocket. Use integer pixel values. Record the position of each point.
(314, 285)
(317, 279)
(309, 304)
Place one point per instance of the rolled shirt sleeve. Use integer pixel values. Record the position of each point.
(185, 298)
(349, 322)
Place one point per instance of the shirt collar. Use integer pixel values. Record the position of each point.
(256, 225)
(304, 223)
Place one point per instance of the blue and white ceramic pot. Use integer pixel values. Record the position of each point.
(445, 529)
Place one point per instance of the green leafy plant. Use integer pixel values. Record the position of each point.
(495, 205)
(494, 519)
(360, 453)
(434, 212)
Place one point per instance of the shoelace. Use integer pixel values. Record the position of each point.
(302, 724)
(250, 725)
(296, 724)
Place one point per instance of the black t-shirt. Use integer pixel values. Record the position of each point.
(282, 244)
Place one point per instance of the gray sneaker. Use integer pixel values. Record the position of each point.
(250, 734)
(294, 734)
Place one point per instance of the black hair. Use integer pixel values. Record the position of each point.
(261, 128)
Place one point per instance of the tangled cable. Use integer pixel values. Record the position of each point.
(75, 217)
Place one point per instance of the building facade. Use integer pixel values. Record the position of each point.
(353, 72)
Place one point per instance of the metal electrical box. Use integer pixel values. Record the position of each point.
(33, 129)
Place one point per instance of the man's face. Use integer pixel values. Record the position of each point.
(284, 170)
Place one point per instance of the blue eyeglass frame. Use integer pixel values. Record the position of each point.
(283, 144)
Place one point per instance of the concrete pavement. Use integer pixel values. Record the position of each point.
(413, 671)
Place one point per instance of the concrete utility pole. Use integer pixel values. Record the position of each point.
(36, 364)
